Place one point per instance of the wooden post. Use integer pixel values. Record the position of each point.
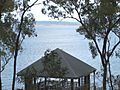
(72, 84)
(82, 81)
(28, 83)
(45, 83)
(94, 80)
(34, 81)
(35, 85)
(87, 82)
(79, 82)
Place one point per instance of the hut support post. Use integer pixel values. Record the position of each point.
(72, 84)
(28, 83)
(45, 83)
(35, 82)
(87, 82)
(79, 82)
(94, 80)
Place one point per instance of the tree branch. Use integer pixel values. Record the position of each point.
(17, 43)
(117, 21)
(115, 46)
(6, 62)
(93, 38)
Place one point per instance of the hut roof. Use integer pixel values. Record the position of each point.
(76, 68)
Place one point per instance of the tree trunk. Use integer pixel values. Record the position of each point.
(15, 60)
(0, 63)
(104, 76)
(0, 76)
(0, 82)
(111, 83)
(14, 73)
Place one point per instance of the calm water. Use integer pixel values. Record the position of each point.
(51, 36)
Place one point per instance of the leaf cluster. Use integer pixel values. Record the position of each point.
(99, 19)
(58, 9)
(10, 25)
(6, 5)
(52, 64)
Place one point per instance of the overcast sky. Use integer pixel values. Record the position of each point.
(36, 10)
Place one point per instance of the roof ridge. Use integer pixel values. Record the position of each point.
(74, 57)
(60, 52)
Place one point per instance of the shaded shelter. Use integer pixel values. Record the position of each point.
(76, 70)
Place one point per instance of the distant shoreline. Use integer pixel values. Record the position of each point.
(58, 22)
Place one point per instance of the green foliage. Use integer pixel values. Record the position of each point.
(100, 24)
(52, 65)
(59, 8)
(93, 49)
(6, 5)
(101, 20)
(7, 39)
(96, 18)
(116, 81)
(16, 22)
(10, 27)
(117, 53)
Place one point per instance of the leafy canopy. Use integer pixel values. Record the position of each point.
(10, 25)
(99, 19)
(52, 65)
(99, 23)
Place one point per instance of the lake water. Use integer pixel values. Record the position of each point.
(51, 36)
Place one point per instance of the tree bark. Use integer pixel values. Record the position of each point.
(0, 83)
(104, 76)
(15, 59)
(111, 82)
(0, 75)
(14, 72)
(0, 59)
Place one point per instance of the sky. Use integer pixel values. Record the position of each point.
(36, 10)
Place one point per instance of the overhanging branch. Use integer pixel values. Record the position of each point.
(115, 46)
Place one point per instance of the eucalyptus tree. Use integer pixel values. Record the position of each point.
(6, 44)
(6, 21)
(99, 23)
(6, 34)
(17, 22)
(24, 26)
(6, 6)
